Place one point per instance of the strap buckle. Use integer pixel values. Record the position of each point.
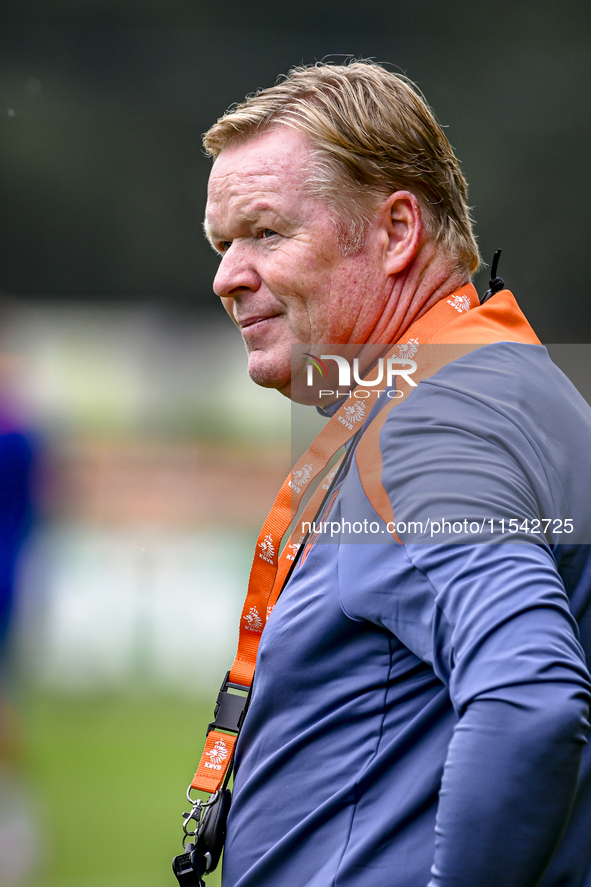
(230, 708)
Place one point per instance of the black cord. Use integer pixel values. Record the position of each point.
(496, 284)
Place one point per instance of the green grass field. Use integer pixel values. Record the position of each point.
(109, 775)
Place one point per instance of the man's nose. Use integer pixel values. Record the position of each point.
(235, 273)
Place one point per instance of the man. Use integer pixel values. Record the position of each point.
(419, 710)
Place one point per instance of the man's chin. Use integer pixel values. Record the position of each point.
(268, 373)
(275, 374)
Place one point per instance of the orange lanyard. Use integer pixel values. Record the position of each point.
(269, 569)
(267, 576)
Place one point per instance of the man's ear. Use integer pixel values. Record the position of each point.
(402, 229)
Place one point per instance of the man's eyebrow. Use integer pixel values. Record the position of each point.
(208, 237)
(249, 217)
(206, 230)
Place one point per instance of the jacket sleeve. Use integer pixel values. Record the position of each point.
(506, 645)
(481, 443)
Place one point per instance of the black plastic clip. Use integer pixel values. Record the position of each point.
(496, 284)
(230, 708)
(186, 875)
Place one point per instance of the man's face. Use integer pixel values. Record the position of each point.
(282, 277)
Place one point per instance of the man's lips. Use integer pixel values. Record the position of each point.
(247, 322)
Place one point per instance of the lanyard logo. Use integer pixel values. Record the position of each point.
(301, 478)
(253, 620)
(267, 549)
(353, 413)
(217, 755)
(408, 349)
(293, 549)
(460, 303)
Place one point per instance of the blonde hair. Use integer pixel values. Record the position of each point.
(371, 133)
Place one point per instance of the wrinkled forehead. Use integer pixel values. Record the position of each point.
(274, 158)
(272, 166)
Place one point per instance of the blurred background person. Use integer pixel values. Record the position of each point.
(17, 854)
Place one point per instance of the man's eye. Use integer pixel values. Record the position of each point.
(224, 246)
(268, 232)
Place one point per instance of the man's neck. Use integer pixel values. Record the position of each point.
(414, 291)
